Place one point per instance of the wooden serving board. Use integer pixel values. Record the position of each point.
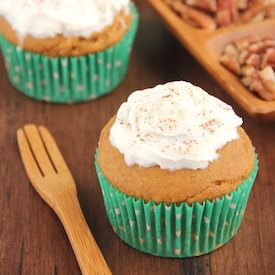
(206, 46)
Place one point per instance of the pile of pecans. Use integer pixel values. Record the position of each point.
(253, 60)
(211, 14)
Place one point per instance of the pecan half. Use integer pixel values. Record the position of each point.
(207, 5)
(260, 9)
(193, 16)
(227, 12)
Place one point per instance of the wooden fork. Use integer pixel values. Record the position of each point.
(51, 178)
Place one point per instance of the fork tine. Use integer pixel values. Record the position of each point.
(53, 150)
(38, 149)
(29, 162)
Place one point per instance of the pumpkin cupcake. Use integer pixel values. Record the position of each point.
(176, 170)
(67, 51)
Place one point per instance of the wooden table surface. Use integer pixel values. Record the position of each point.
(32, 240)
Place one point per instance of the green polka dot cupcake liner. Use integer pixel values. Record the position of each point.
(176, 231)
(69, 79)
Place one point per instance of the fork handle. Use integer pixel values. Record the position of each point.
(86, 250)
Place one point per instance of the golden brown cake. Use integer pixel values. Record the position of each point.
(219, 178)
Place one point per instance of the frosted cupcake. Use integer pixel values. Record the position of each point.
(67, 50)
(176, 170)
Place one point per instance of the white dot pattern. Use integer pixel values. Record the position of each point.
(181, 231)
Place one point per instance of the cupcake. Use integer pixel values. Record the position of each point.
(176, 169)
(67, 51)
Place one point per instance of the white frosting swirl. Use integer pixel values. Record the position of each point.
(176, 125)
(48, 18)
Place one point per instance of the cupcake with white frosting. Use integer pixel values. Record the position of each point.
(67, 50)
(176, 170)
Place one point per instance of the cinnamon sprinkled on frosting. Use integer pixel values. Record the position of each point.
(176, 125)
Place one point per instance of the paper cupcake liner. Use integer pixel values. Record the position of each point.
(69, 79)
(176, 231)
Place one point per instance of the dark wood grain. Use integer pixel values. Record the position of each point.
(32, 240)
